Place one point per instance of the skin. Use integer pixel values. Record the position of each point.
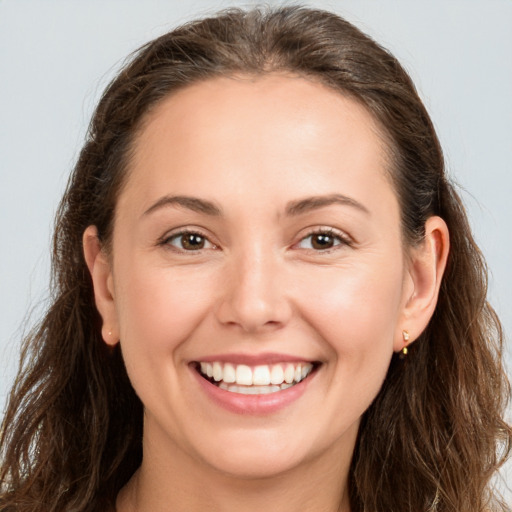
(252, 148)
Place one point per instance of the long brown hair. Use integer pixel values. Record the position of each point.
(435, 434)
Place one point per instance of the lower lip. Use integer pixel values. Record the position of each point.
(253, 404)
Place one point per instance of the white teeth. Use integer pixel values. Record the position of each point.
(261, 376)
(289, 373)
(298, 373)
(252, 390)
(277, 374)
(259, 379)
(217, 371)
(229, 373)
(243, 375)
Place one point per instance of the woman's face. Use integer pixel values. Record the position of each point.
(258, 238)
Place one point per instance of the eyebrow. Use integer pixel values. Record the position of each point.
(191, 203)
(315, 202)
(293, 208)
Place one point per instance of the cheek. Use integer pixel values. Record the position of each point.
(159, 308)
(355, 309)
(355, 313)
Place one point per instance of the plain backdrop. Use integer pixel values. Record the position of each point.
(56, 57)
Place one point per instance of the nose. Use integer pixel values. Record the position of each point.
(254, 296)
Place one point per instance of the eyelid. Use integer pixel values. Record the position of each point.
(189, 230)
(344, 238)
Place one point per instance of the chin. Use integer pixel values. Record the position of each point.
(255, 466)
(257, 455)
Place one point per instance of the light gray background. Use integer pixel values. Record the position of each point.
(57, 56)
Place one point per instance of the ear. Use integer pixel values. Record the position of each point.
(427, 263)
(103, 283)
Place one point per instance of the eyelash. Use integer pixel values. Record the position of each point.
(166, 241)
(336, 236)
(341, 239)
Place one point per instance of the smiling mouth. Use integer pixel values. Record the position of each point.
(254, 380)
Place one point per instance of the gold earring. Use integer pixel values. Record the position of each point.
(406, 337)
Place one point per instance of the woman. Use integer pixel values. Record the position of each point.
(266, 292)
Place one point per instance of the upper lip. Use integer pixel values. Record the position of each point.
(254, 359)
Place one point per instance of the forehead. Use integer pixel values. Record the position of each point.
(249, 129)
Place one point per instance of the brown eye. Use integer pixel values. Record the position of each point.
(322, 241)
(189, 242)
